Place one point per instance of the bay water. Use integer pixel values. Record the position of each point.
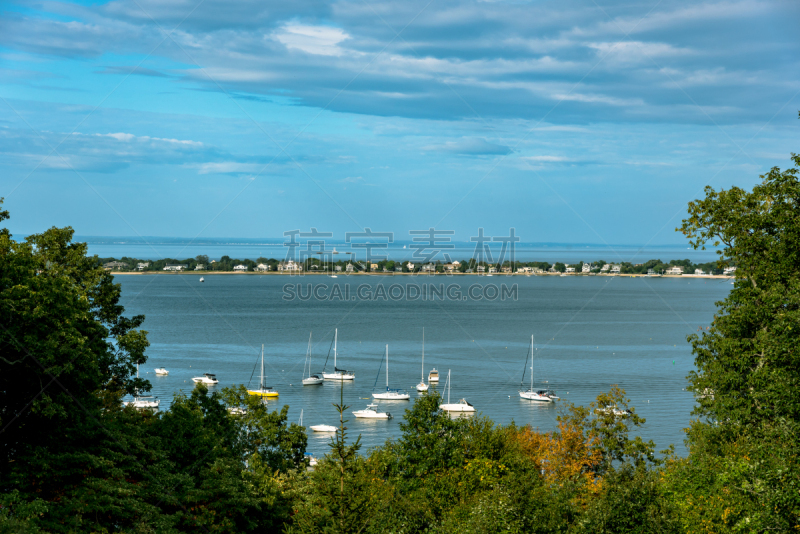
(590, 332)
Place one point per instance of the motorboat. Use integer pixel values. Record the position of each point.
(460, 406)
(202, 279)
(337, 374)
(389, 394)
(371, 412)
(144, 403)
(262, 391)
(433, 376)
(422, 386)
(161, 371)
(324, 428)
(541, 395)
(235, 410)
(310, 380)
(208, 379)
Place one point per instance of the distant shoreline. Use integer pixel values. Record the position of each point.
(268, 273)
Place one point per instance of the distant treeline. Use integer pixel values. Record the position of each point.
(226, 263)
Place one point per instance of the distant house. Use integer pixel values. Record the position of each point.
(240, 267)
(456, 264)
(506, 269)
(263, 267)
(429, 268)
(570, 269)
(290, 266)
(200, 267)
(481, 269)
(492, 270)
(175, 267)
(449, 267)
(675, 269)
(605, 268)
(142, 266)
(112, 265)
(410, 266)
(537, 270)
(586, 268)
(552, 268)
(398, 268)
(615, 269)
(338, 268)
(729, 270)
(650, 272)
(524, 269)
(699, 271)
(373, 266)
(349, 268)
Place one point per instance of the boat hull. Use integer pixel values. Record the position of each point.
(391, 396)
(466, 408)
(533, 396)
(422, 387)
(369, 414)
(312, 381)
(324, 428)
(259, 393)
(338, 376)
(205, 381)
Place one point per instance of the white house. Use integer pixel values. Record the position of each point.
(524, 269)
(481, 269)
(290, 265)
(570, 269)
(142, 266)
(506, 269)
(456, 264)
(429, 268)
(537, 270)
(410, 266)
(240, 267)
(170, 267)
(200, 267)
(650, 272)
(615, 269)
(263, 267)
(115, 265)
(605, 268)
(586, 268)
(450, 267)
(729, 270)
(675, 269)
(338, 268)
(492, 270)
(699, 271)
(349, 268)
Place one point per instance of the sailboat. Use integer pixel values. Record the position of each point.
(143, 402)
(542, 395)
(337, 374)
(422, 386)
(310, 380)
(389, 394)
(262, 391)
(460, 406)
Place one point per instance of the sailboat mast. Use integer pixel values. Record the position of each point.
(335, 339)
(422, 371)
(261, 382)
(387, 366)
(531, 363)
(448, 386)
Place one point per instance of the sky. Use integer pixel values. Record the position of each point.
(570, 121)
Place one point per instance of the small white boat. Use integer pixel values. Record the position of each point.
(324, 428)
(334, 276)
(337, 374)
(613, 410)
(161, 371)
(144, 403)
(433, 376)
(422, 386)
(541, 395)
(460, 406)
(202, 279)
(235, 410)
(310, 380)
(389, 394)
(371, 412)
(208, 379)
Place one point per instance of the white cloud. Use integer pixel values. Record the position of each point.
(317, 40)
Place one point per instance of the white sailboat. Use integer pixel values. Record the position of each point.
(460, 406)
(263, 390)
(541, 395)
(161, 371)
(371, 412)
(310, 380)
(422, 386)
(389, 394)
(337, 374)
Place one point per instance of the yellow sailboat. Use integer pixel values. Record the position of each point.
(262, 391)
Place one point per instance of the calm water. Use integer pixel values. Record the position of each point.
(590, 332)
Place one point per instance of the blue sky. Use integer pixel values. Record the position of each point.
(576, 121)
